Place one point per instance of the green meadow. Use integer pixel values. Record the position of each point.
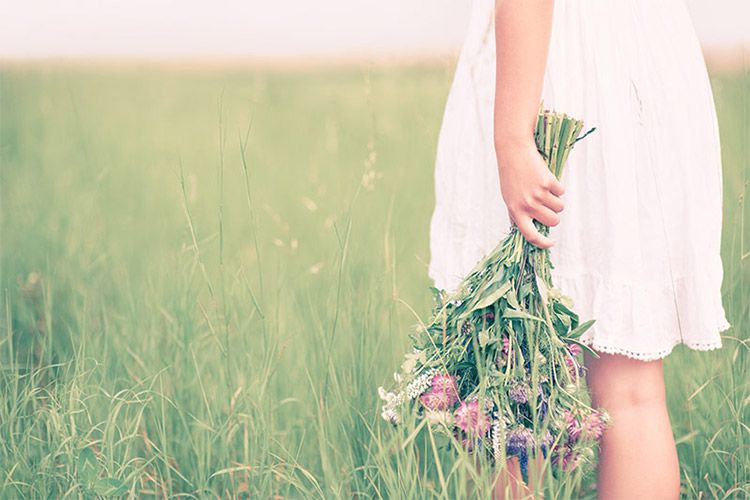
(206, 273)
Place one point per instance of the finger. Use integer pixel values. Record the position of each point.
(532, 235)
(552, 202)
(555, 187)
(546, 216)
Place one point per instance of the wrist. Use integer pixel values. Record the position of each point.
(510, 141)
(512, 145)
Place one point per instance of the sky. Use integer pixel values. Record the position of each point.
(273, 28)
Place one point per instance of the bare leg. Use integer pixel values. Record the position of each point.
(509, 482)
(638, 457)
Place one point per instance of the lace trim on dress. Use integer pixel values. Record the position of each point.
(650, 356)
(604, 342)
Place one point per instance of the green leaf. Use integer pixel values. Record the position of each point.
(563, 309)
(87, 465)
(542, 287)
(492, 294)
(437, 295)
(580, 329)
(513, 301)
(514, 314)
(525, 290)
(581, 345)
(109, 487)
(560, 327)
(464, 365)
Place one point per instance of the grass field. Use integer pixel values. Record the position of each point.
(207, 273)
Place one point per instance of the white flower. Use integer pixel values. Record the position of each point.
(439, 417)
(390, 415)
(385, 396)
(392, 401)
(420, 384)
(498, 435)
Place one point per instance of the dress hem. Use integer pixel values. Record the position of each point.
(653, 356)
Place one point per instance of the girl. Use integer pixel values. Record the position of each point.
(637, 244)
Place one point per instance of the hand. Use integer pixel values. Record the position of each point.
(530, 190)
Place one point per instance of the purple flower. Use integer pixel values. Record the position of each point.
(588, 427)
(471, 419)
(574, 349)
(442, 395)
(518, 440)
(519, 392)
(434, 402)
(565, 458)
(572, 425)
(547, 441)
(543, 408)
(445, 384)
(593, 425)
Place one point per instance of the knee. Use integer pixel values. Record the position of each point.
(613, 397)
(626, 383)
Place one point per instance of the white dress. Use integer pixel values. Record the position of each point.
(638, 244)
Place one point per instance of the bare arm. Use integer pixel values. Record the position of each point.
(529, 189)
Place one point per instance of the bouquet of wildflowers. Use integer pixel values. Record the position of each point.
(497, 366)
